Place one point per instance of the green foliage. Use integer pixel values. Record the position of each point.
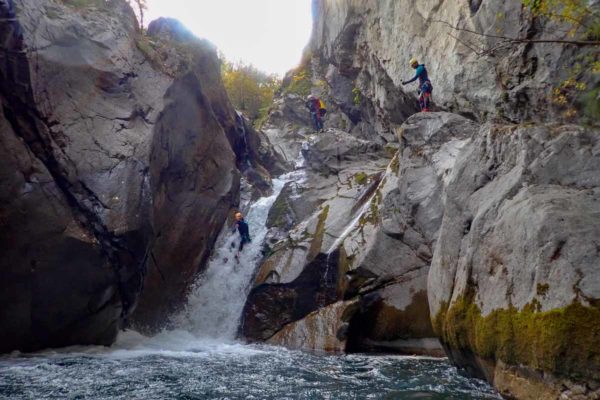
(357, 96)
(361, 178)
(579, 91)
(575, 94)
(395, 163)
(542, 289)
(564, 341)
(591, 105)
(577, 15)
(250, 90)
(301, 82)
(168, 56)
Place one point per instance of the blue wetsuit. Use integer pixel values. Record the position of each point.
(244, 233)
(421, 75)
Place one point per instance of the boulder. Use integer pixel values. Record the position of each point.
(321, 330)
(513, 287)
(270, 307)
(384, 221)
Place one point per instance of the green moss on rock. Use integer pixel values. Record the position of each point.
(361, 178)
(564, 341)
(317, 242)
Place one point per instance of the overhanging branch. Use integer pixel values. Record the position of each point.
(508, 39)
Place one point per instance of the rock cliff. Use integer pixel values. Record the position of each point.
(481, 220)
(115, 148)
(514, 281)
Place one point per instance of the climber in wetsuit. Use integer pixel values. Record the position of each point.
(243, 229)
(314, 105)
(425, 87)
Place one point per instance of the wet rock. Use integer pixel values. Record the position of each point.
(195, 183)
(386, 221)
(321, 330)
(270, 307)
(517, 241)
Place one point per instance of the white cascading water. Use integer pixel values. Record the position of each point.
(215, 304)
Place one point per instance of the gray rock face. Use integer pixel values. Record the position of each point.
(117, 171)
(75, 183)
(520, 232)
(366, 45)
(385, 221)
(393, 242)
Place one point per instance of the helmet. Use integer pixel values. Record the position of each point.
(238, 215)
(310, 97)
(413, 61)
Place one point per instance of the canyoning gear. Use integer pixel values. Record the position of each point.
(322, 109)
(420, 74)
(425, 96)
(425, 86)
(244, 231)
(238, 216)
(317, 111)
(413, 62)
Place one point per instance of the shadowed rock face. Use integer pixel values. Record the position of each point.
(74, 187)
(117, 172)
(272, 306)
(194, 184)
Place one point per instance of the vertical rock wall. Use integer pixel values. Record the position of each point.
(120, 161)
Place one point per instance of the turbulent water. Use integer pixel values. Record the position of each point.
(178, 365)
(216, 303)
(201, 359)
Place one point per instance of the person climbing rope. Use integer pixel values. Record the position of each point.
(243, 229)
(425, 86)
(317, 111)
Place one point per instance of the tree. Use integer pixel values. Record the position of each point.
(251, 91)
(575, 23)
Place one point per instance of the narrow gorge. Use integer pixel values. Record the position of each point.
(426, 252)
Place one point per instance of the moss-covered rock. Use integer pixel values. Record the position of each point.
(563, 341)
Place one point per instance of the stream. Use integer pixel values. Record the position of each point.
(201, 358)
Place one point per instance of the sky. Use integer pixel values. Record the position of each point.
(270, 34)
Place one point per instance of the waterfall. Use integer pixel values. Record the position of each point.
(217, 299)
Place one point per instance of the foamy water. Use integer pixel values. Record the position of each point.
(200, 359)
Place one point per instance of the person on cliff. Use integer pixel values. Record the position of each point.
(317, 111)
(243, 229)
(425, 87)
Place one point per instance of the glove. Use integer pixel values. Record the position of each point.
(403, 83)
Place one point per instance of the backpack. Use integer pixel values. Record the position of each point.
(322, 109)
